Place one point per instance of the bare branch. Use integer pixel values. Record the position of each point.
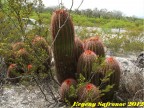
(40, 88)
(80, 4)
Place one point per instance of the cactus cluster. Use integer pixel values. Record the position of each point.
(20, 62)
(74, 57)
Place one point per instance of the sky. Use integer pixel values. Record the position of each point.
(127, 7)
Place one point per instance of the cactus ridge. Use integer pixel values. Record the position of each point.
(79, 48)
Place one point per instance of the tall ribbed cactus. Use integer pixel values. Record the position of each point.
(63, 36)
(96, 45)
(111, 66)
(79, 48)
(85, 63)
(88, 93)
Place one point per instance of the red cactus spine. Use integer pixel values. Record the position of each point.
(111, 65)
(63, 45)
(88, 93)
(79, 48)
(65, 90)
(85, 63)
(96, 46)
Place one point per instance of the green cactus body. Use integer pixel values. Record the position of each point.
(85, 63)
(111, 66)
(96, 45)
(79, 48)
(88, 93)
(65, 90)
(63, 46)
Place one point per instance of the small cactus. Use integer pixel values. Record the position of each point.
(79, 48)
(85, 63)
(65, 90)
(111, 65)
(40, 42)
(88, 93)
(95, 44)
(63, 47)
(17, 46)
(13, 72)
(22, 52)
(40, 45)
(22, 56)
(11, 56)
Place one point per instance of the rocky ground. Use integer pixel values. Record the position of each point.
(22, 96)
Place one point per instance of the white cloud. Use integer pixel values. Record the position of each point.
(128, 7)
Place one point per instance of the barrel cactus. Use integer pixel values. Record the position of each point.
(11, 55)
(63, 45)
(65, 90)
(14, 71)
(17, 46)
(110, 68)
(88, 93)
(96, 45)
(85, 63)
(40, 42)
(79, 48)
(41, 47)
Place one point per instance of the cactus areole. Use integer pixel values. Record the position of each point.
(63, 45)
